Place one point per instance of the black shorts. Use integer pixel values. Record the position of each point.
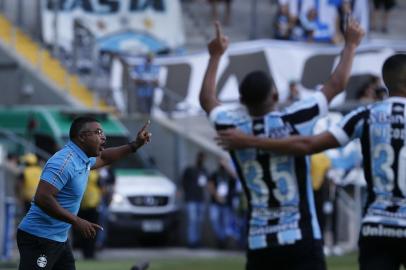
(377, 253)
(387, 4)
(37, 253)
(304, 255)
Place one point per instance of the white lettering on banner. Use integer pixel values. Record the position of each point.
(311, 65)
(123, 16)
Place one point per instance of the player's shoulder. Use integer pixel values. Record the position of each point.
(229, 114)
(64, 157)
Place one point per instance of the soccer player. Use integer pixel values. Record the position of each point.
(42, 236)
(283, 229)
(382, 131)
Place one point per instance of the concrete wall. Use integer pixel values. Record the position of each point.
(25, 13)
(22, 85)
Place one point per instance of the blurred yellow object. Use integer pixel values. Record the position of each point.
(320, 163)
(30, 159)
(92, 196)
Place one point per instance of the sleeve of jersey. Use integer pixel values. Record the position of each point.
(220, 116)
(92, 161)
(57, 172)
(322, 103)
(307, 110)
(350, 126)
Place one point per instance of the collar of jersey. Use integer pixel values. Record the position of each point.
(78, 151)
(399, 99)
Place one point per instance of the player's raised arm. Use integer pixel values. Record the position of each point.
(208, 97)
(339, 78)
(112, 154)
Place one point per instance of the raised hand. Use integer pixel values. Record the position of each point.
(354, 33)
(143, 136)
(220, 43)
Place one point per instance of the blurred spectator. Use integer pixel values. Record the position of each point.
(316, 30)
(221, 186)
(313, 21)
(194, 182)
(344, 10)
(28, 180)
(146, 77)
(107, 181)
(358, 9)
(227, 12)
(12, 164)
(88, 211)
(386, 5)
(381, 93)
(282, 27)
(367, 92)
(294, 95)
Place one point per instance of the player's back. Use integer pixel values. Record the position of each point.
(381, 130)
(278, 188)
(384, 152)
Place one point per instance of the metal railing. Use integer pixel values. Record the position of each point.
(28, 146)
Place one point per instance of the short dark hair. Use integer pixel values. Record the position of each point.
(255, 88)
(77, 125)
(394, 72)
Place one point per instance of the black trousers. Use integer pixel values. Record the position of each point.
(304, 255)
(381, 253)
(37, 253)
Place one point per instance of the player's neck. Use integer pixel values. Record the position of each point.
(260, 110)
(398, 94)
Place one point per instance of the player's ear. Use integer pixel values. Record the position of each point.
(81, 137)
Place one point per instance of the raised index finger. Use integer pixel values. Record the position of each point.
(217, 26)
(146, 125)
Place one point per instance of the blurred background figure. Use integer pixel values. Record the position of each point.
(293, 95)
(385, 6)
(194, 181)
(28, 181)
(222, 187)
(381, 93)
(106, 183)
(227, 10)
(282, 23)
(367, 92)
(146, 77)
(89, 211)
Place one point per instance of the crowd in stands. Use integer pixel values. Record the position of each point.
(324, 20)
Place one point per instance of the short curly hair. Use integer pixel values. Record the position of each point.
(394, 73)
(255, 88)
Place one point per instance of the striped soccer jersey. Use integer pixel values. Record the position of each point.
(381, 130)
(278, 187)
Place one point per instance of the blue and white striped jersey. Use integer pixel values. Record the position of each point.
(381, 130)
(278, 187)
